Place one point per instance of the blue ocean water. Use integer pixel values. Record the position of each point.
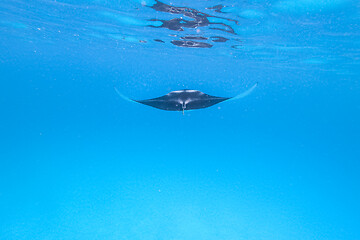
(79, 162)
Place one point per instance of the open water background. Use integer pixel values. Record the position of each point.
(79, 162)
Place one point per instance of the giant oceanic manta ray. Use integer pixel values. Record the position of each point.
(183, 100)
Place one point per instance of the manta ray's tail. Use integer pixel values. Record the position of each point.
(122, 96)
(244, 94)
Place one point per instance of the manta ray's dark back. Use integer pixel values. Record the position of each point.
(183, 100)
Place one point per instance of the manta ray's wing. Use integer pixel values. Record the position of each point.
(164, 103)
(204, 101)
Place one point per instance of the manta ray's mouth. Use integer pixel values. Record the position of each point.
(183, 105)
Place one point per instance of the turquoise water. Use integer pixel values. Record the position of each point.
(79, 162)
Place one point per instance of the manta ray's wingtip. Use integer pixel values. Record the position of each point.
(247, 92)
(122, 96)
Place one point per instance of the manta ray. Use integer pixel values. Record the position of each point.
(183, 100)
